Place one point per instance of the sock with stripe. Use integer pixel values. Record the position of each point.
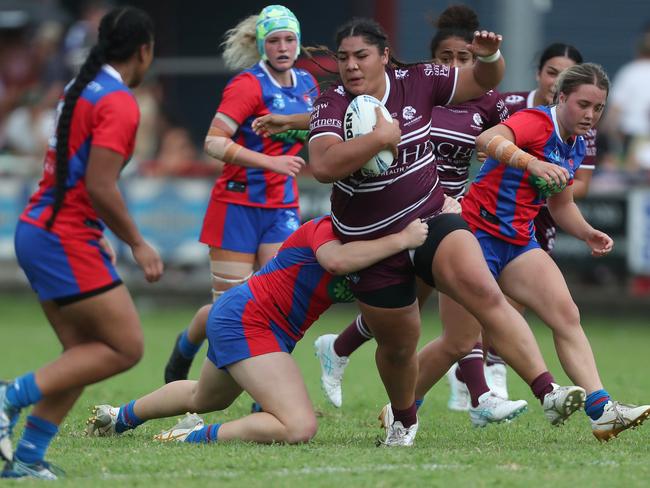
(127, 419)
(418, 403)
(354, 336)
(36, 439)
(207, 433)
(542, 385)
(595, 403)
(493, 358)
(23, 392)
(187, 348)
(407, 416)
(472, 373)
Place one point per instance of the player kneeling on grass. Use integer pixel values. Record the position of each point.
(251, 332)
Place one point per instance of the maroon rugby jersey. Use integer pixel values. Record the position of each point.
(370, 207)
(453, 135)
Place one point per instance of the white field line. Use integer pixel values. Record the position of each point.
(223, 473)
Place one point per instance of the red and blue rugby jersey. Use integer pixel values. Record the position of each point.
(502, 201)
(249, 95)
(105, 115)
(292, 288)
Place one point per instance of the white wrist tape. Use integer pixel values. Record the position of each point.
(492, 58)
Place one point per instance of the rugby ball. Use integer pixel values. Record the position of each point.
(360, 119)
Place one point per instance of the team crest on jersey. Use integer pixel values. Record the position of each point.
(340, 90)
(554, 156)
(278, 102)
(308, 101)
(408, 112)
(339, 290)
(514, 99)
(400, 74)
(478, 121)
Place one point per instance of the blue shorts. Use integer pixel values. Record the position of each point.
(63, 269)
(237, 329)
(498, 253)
(241, 228)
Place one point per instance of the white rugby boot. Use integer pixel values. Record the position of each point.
(562, 402)
(618, 417)
(396, 434)
(103, 421)
(179, 432)
(494, 410)
(332, 367)
(496, 376)
(459, 398)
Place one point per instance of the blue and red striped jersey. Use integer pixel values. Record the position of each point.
(105, 115)
(249, 95)
(502, 201)
(292, 288)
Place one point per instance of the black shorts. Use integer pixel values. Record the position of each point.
(440, 226)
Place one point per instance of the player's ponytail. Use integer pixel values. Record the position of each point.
(121, 32)
(455, 21)
(240, 45)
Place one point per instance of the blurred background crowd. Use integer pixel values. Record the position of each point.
(43, 42)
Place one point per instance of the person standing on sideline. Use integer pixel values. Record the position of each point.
(61, 248)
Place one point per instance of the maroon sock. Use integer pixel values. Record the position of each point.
(356, 334)
(471, 369)
(459, 375)
(408, 416)
(493, 358)
(542, 385)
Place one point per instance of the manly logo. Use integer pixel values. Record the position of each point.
(400, 74)
(476, 118)
(340, 90)
(408, 112)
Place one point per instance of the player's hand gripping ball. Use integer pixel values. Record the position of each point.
(360, 118)
(544, 188)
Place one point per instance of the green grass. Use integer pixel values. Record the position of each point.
(448, 451)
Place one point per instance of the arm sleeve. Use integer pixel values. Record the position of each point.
(497, 110)
(327, 115)
(115, 122)
(323, 233)
(242, 98)
(440, 79)
(530, 127)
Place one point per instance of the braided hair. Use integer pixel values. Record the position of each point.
(121, 33)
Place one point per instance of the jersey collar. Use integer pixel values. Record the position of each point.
(530, 101)
(109, 70)
(572, 139)
(387, 92)
(262, 65)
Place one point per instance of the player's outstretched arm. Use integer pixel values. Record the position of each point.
(568, 216)
(271, 124)
(340, 259)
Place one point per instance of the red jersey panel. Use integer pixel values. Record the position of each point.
(292, 288)
(105, 115)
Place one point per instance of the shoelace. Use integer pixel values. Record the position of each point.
(619, 415)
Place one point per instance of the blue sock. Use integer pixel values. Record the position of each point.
(419, 402)
(188, 349)
(23, 392)
(207, 434)
(595, 403)
(36, 439)
(127, 419)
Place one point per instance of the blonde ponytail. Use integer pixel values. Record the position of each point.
(240, 45)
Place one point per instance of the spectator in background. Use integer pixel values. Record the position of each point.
(82, 35)
(178, 156)
(629, 112)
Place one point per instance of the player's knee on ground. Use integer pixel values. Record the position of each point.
(302, 429)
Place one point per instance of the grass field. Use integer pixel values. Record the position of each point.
(448, 451)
